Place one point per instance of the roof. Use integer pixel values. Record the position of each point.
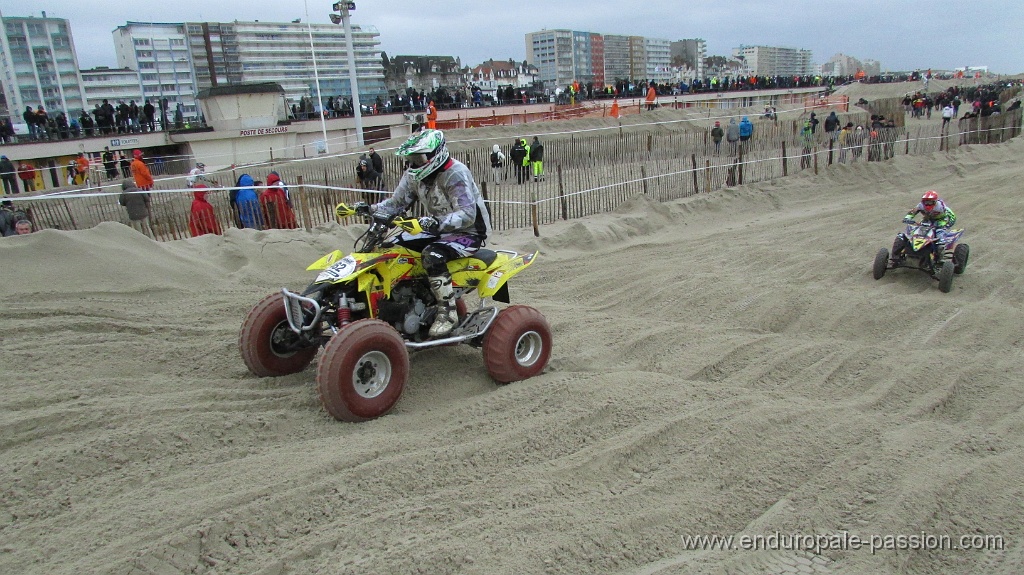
(245, 88)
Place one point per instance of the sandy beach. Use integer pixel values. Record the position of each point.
(723, 365)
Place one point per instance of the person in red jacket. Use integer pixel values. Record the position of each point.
(277, 205)
(202, 220)
(27, 174)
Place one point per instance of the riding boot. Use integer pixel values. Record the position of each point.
(447, 316)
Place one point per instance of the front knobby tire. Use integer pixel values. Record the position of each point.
(960, 255)
(518, 344)
(363, 371)
(946, 277)
(264, 337)
(881, 263)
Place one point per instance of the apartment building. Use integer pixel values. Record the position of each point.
(177, 60)
(565, 56)
(39, 67)
(689, 54)
(113, 85)
(774, 61)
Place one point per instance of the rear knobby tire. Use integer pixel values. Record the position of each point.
(264, 330)
(881, 263)
(517, 346)
(363, 371)
(946, 277)
(960, 255)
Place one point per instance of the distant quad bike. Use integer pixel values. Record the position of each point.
(369, 308)
(923, 246)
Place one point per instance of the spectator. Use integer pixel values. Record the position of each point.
(832, 126)
(140, 171)
(137, 203)
(652, 97)
(537, 159)
(198, 176)
(9, 216)
(431, 116)
(521, 161)
(109, 164)
(747, 130)
(27, 174)
(82, 168)
(30, 120)
(497, 165)
(126, 166)
(814, 122)
(7, 132)
(148, 113)
(716, 136)
(844, 141)
(732, 135)
(23, 227)
(368, 179)
(947, 114)
(201, 218)
(377, 163)
(9, 175)
(807, 142)
(277, 207)
(247, 203)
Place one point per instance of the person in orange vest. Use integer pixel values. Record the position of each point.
(652, 95)
(431, 116)
(143, 179)
(615, 109)
(82, 167)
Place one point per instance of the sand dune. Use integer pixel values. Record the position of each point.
(723, 365)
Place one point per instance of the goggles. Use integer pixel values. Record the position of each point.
(417, 160)
(929, 203)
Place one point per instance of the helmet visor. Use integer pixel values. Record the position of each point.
(929, 203)
(417, 160)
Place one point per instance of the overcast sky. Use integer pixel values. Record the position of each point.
(902, 35)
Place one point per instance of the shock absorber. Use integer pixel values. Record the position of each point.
(344, 313)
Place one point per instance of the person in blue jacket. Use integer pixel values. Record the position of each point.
(248, 203)
(746, 130)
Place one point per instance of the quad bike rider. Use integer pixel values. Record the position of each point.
(457, 224)
(932, 210)
(930, 245)
(401, 289)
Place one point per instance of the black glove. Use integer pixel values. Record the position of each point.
(361, 208)
(429, 225)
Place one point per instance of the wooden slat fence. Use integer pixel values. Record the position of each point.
(585, 174)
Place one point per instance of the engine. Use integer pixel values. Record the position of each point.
(407, 308)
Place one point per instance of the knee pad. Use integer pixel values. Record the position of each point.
(434, 259)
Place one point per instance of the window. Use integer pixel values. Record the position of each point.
(140, 41)
(146, 65)
(144, 54)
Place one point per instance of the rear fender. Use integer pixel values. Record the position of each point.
(496, 278)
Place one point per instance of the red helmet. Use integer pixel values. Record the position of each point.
(929, 198)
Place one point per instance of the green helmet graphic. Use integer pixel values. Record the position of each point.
(426, 152)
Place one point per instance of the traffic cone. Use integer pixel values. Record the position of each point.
(615, 109)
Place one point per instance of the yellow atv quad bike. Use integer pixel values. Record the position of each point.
(369, 308)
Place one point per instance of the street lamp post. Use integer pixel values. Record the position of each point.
(344, 6)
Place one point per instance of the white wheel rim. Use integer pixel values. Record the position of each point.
(528, 348)
(371, 375)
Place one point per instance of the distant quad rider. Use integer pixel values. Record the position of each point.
(458, 223)
(932, 210)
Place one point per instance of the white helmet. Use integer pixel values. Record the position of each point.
(426, 153)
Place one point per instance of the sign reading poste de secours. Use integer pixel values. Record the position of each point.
(264, 131)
